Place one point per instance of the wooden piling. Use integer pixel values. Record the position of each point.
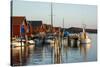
(57, 51)
(21, 52)
(69, 41)
(75, 43)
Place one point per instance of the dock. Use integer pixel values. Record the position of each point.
(59, 43)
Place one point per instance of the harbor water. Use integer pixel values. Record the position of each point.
(31, 55)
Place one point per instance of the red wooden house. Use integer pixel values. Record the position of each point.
(16, 22)
(36, 26)
(57, 30)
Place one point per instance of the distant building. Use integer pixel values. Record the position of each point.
(47, 27)
(16, 22)
(57, 30)
(36, 26)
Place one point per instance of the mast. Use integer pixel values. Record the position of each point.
(51, 15)
(84, 31)
(84, 26)
(63, 25)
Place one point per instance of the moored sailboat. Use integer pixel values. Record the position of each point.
(84, 39)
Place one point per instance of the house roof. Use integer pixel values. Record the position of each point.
(17, 19)
(47, 25)
(35, 23)
(56, 27)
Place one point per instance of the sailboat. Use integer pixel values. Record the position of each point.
(84, 39)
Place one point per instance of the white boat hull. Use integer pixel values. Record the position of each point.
(18, 44)
(49, 41)
(31, 42)
(38, 42)
(85, 41)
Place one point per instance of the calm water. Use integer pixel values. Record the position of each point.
(45, 55)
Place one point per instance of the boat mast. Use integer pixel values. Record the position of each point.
(84, 32)
(84, 26)
(51, 15)
(63, 26)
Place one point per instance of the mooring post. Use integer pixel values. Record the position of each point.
(21, 52)
(69, 41)
(75, 44)
(57, 51)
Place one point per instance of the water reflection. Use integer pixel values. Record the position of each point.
(47, 55)
(31, 55)
(20, 55)
(84, 48)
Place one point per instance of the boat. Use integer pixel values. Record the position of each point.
(20, 40)
(31, 42)
(38, 41)
(17, 44)
(84, 39)
(49, 40)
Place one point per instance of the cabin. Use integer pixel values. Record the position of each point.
(57, 30)
(36, 26)
(16, 22)
(48, 27)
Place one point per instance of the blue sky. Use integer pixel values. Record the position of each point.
(73, 14)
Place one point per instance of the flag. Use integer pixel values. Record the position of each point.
(22, 29)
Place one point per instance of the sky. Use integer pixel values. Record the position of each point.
(73, 15)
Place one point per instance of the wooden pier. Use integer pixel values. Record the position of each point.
(57, 51)
(72, 40)
(58, 46)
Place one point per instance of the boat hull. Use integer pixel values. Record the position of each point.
(17, 44)
(85, 41)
